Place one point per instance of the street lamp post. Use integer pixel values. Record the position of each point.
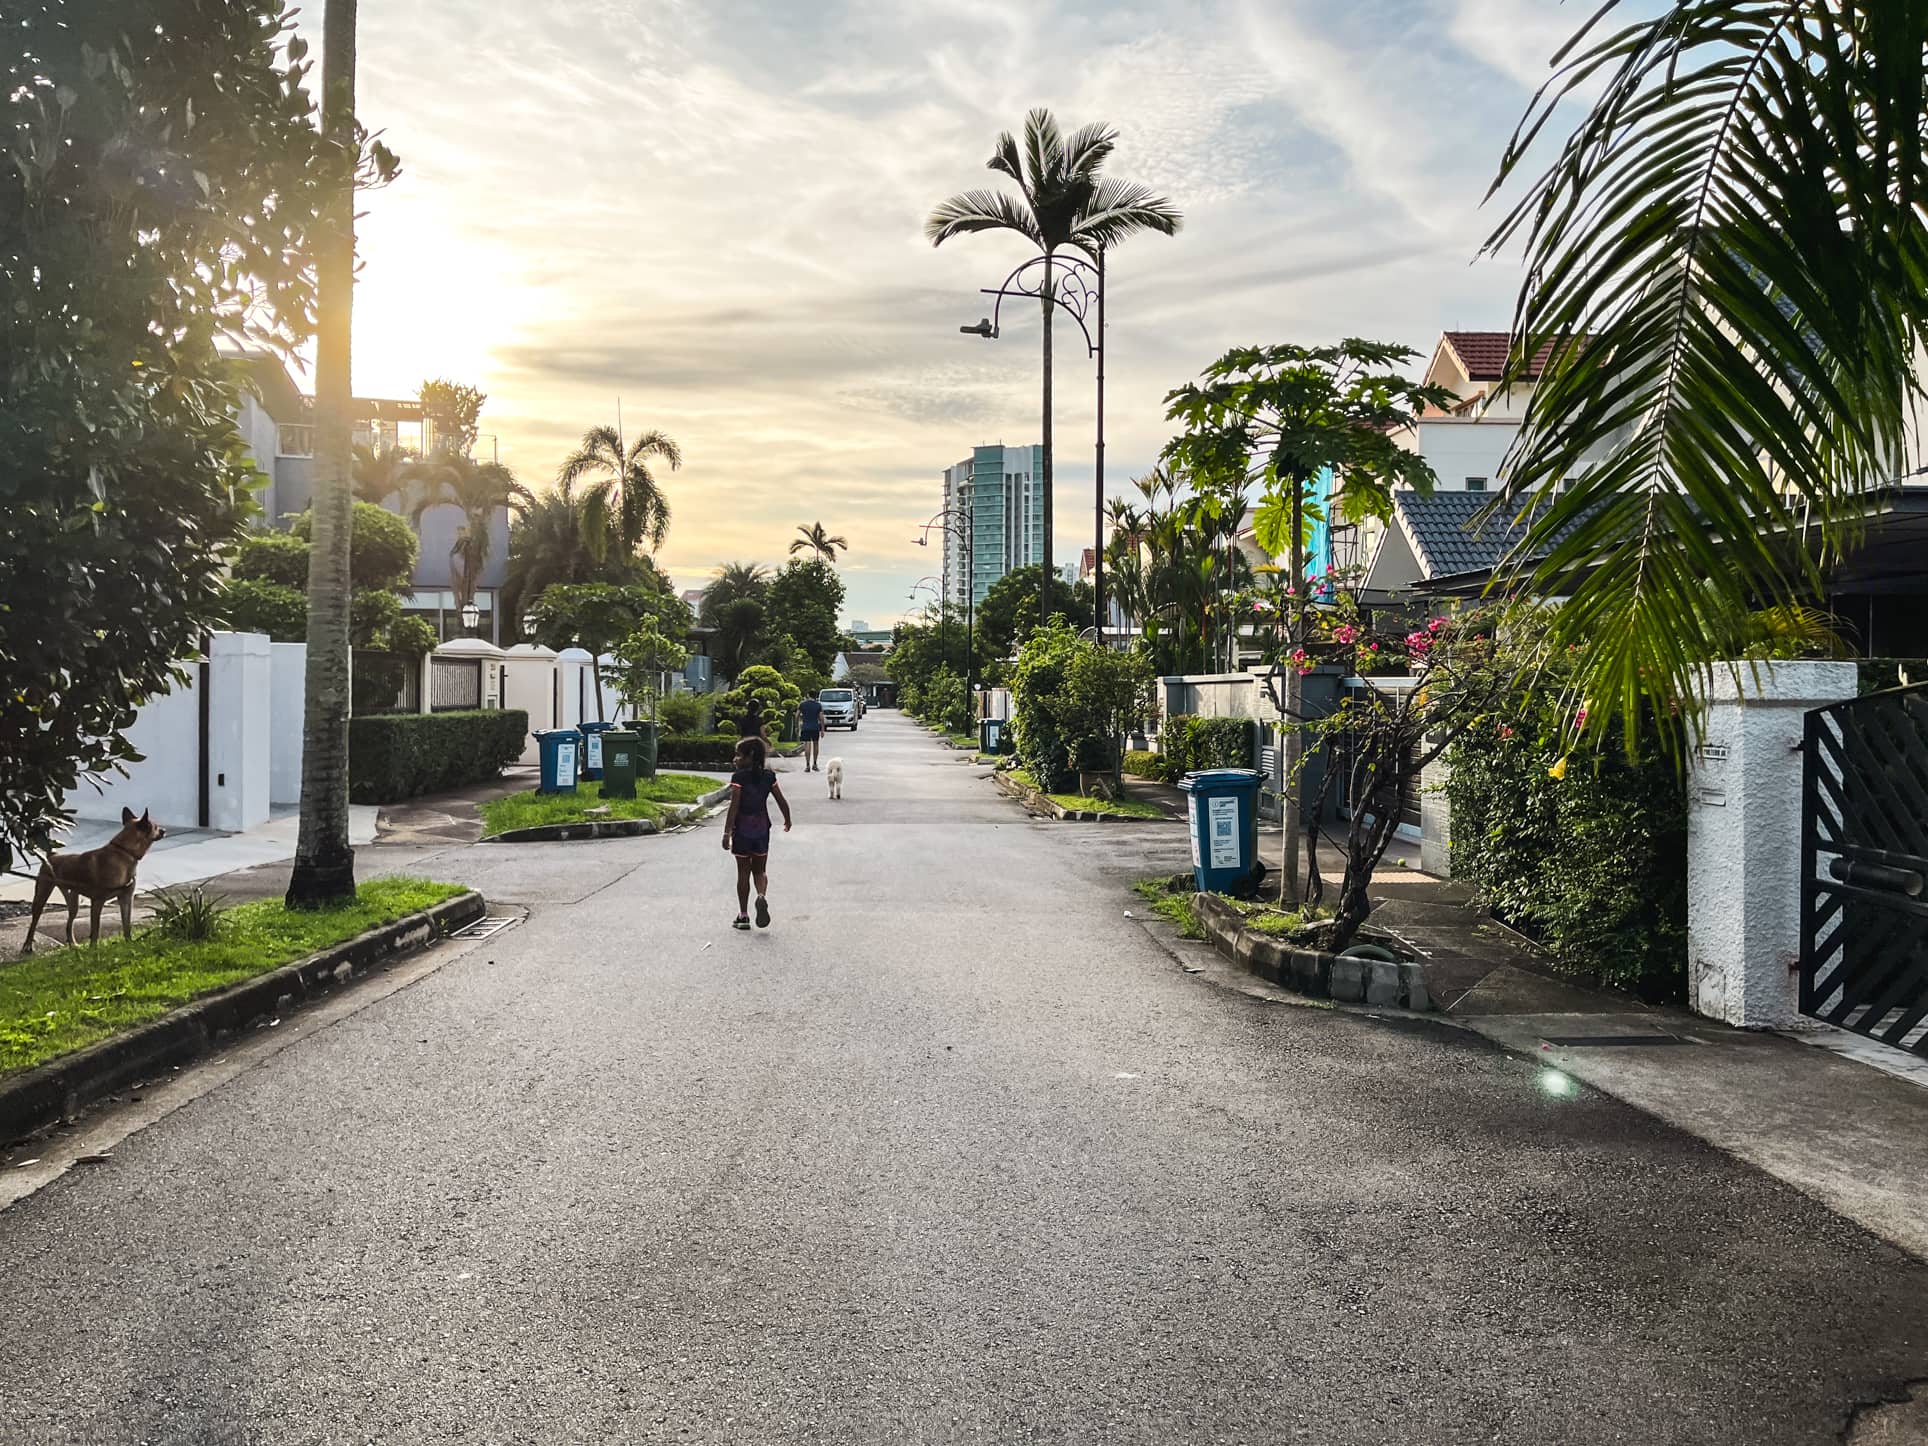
(471, 617)
(956, 522)
(1077, 285)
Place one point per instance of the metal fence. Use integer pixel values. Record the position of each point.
(385, 683)
(454, 683)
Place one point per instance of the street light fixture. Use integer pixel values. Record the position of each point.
(956, 522)
(1078, 286)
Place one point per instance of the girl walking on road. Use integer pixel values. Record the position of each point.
(746, 830)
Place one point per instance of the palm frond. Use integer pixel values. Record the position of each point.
(1730, 244)
(600, 451)
(1088, 149)
(1043, 152)
(1116, 209)
(970, 211)
(1006, 158)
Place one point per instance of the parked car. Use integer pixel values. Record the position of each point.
(839, 708)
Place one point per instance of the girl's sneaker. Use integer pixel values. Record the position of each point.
(742, 921)
(762, 912)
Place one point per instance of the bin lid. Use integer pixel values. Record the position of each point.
(542, 733)
(596, 725)
(1206, 778)
(623, 735)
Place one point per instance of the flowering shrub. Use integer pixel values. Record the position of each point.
(1380, 734)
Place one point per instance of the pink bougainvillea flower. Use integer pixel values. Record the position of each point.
(1345, 632)
(1435, 625)
(1506, 730)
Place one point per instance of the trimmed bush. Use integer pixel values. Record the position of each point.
(401, 755)
(1190, 744)
(1145, 764)
(1592, 862)
(696, 750)
(683, 713)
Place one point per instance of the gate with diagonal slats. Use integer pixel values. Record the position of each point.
(1864, 867)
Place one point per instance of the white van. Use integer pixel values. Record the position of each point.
(839, 708)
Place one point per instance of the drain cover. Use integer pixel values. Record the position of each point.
(485, 926)
(1591, 1040)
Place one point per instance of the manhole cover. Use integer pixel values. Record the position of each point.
(485, 926)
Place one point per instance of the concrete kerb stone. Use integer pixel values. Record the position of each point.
(62, 1088)
(673, 816)
(1346, 978)
(1040, 803)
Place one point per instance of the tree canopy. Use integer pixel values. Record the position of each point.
(161, 180)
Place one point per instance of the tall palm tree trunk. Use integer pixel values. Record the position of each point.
(1044, 475)
(324, 869)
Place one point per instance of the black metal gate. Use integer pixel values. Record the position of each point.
(1864, 864)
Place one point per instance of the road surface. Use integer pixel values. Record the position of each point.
(953, 1152)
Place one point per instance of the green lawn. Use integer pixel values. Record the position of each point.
(54, 1003)
(532, 809)
(1116, 807)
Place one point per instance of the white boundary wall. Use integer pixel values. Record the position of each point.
(1744, 841)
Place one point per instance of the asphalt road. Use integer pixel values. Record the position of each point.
(954, 1152)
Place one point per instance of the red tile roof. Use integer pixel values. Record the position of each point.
(1483, 354)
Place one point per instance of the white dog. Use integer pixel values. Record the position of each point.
(833, 775)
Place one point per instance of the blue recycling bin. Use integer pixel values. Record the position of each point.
(990, 734)
(1222, 804)
(561, 750)
(592, 748)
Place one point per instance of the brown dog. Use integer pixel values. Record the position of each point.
(101, 874)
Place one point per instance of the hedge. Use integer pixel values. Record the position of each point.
(1143, 763)
(401, 755)
(1190, 744)
(696, 750)
(1592, 863)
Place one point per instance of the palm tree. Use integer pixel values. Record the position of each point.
(1065, 204)
(480, 489)
(549, 543)
(819, 542)
(324, 867)
(627, 504)
(733, 605)
(382, 475)
(1733, 234)
(733, 580)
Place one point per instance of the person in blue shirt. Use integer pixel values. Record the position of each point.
(810, 719)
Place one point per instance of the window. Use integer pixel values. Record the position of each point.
(295, 441)
(1475, 484)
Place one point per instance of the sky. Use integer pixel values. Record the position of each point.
(712, 211)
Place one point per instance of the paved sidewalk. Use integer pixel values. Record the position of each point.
(1837, 1116)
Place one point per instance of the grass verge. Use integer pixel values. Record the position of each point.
(1116, 807)
(1171, 899)
(532, 810)
(55, 1003)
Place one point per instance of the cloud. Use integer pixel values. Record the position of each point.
(713, 208)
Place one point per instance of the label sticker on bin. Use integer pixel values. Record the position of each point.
(592, 751)
(1225, 840)
(1191, 800)
(565, 765)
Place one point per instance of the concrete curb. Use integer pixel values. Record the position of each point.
(1036, 801)
(1347, 979)
(674, 815)
(62, 1088)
